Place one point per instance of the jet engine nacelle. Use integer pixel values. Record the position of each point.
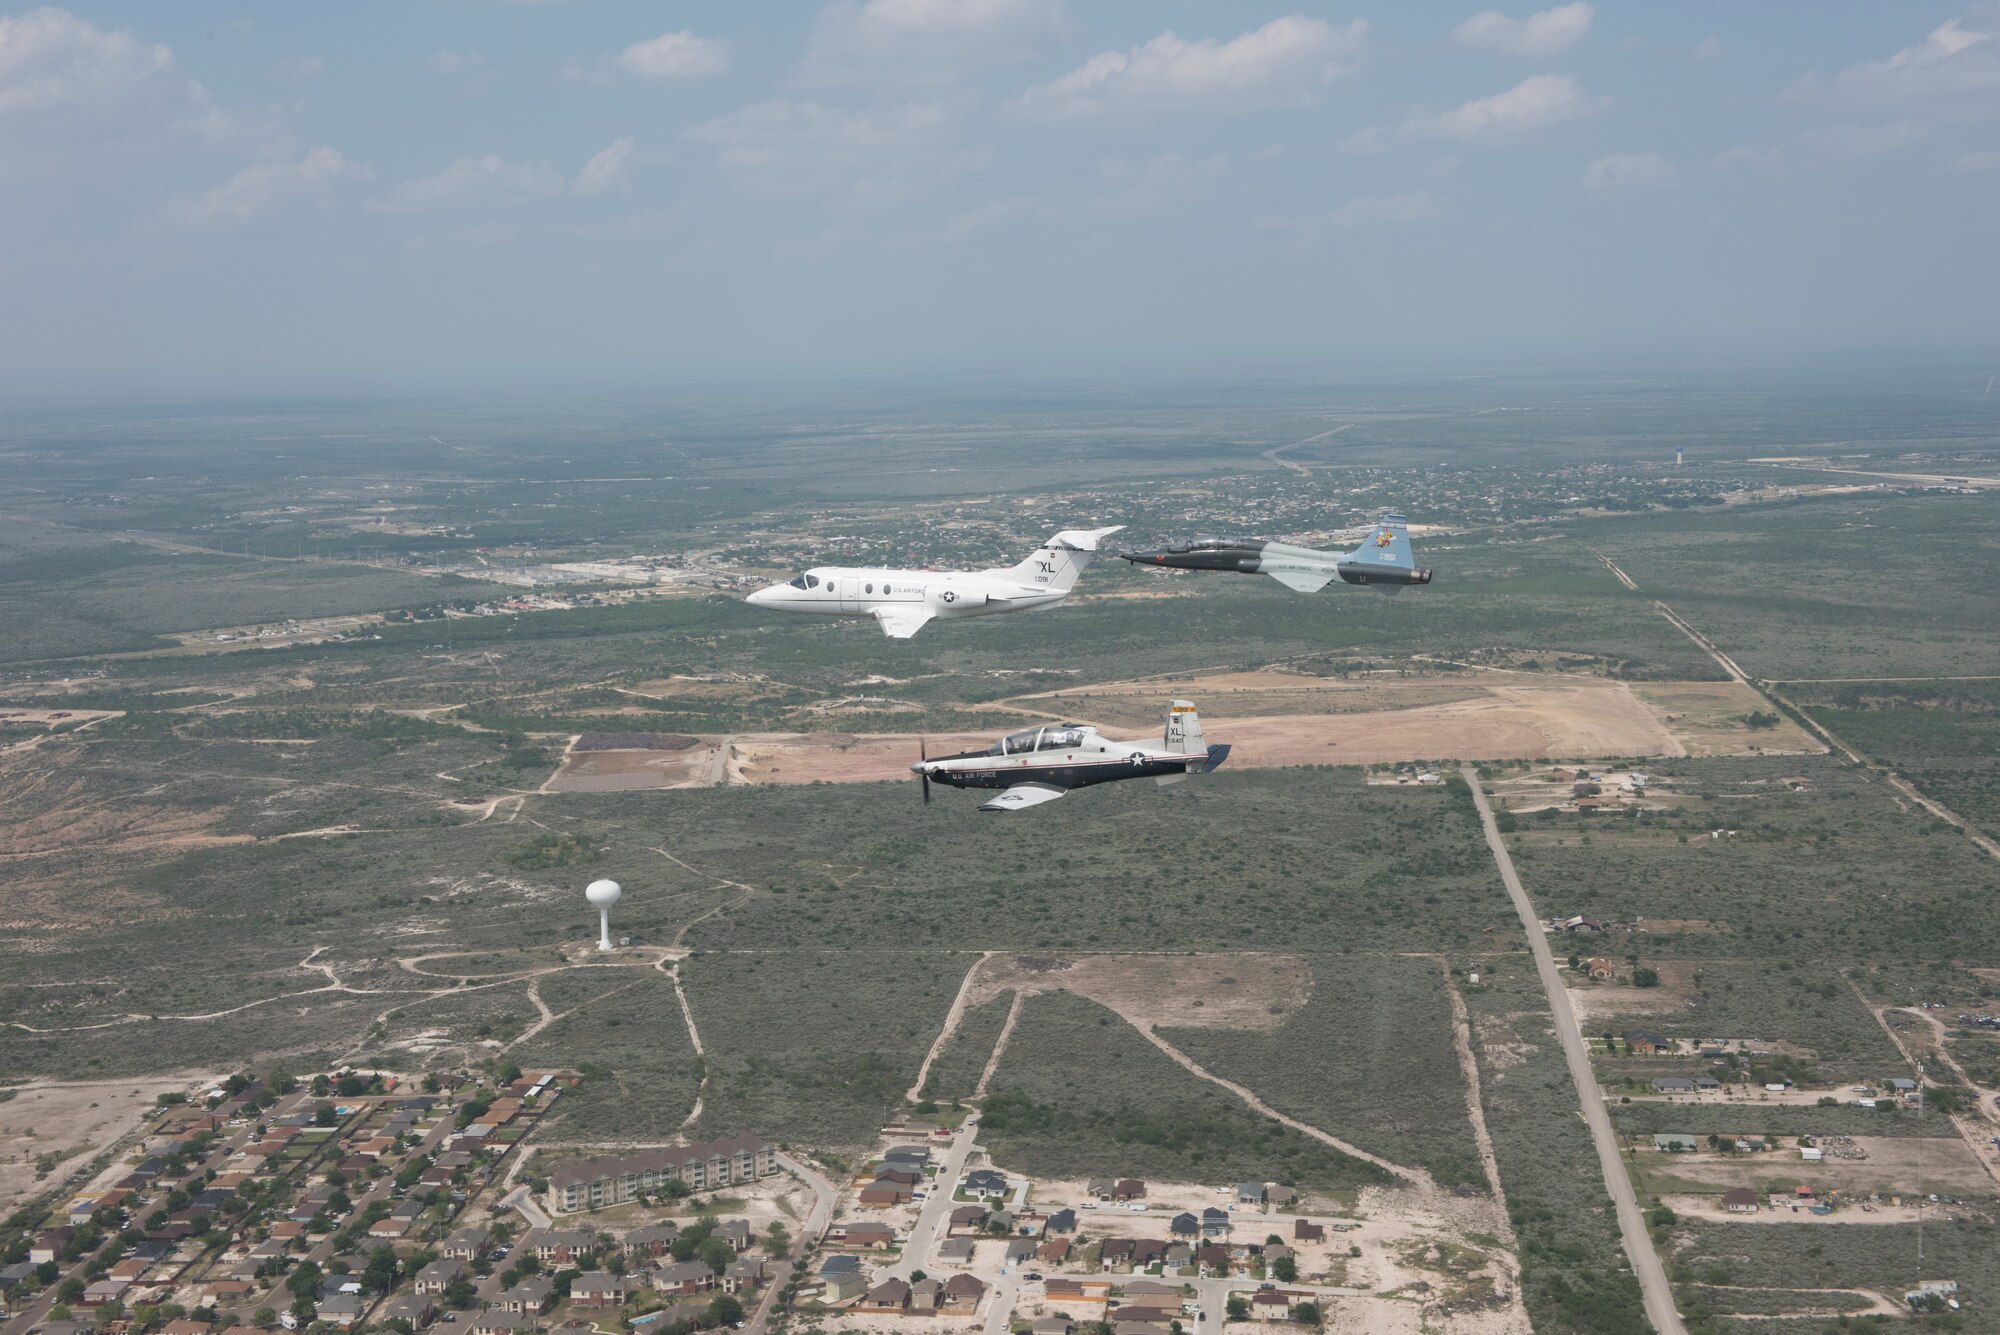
(949, 599)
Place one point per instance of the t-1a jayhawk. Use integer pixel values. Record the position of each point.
(1383, 560)
(901, 601)
(1038, 765)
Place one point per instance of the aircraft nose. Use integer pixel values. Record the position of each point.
(762, 597)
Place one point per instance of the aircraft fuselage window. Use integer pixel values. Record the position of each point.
(869, 588)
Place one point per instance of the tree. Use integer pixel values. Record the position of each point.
(1307, 1313)
(1285, 1270)
(777, 1239)
(725, 1310)
(380, 1274)
(264, 1318)
(304, 1279)
(324, 1115)
(460, 1294)
(69, 1290)
(303, 1309)
(1645, 977)
(1236, 1309)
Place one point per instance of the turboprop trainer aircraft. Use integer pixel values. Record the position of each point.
(1039, 765)
(1383, 559)
(901, 601)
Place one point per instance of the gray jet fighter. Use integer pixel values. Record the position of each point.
(1383, 560)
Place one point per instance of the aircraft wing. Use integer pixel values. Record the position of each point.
(1305, 581)
(1024, 795)
(900, 623)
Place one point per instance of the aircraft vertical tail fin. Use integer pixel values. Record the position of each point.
(1384, 558)
(1058, 562)
(1184, 730)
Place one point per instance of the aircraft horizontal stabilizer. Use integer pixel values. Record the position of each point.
(1305, 581)
(1024, 795)
(1083, 539)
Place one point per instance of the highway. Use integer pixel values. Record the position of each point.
(1653, 1287)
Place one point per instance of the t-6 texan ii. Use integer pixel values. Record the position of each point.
(901, 601)
(1038, 765)
(1383, 560)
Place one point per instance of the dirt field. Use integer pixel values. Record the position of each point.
(1271, 719)
(73, 1121)
(1896, 1165)
(1217, 992)
(1707, 717)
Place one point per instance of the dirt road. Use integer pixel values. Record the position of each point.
(1646, 1267)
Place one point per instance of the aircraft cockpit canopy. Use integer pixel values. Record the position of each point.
(1052, 738)
(1209, 545)
(804, 581)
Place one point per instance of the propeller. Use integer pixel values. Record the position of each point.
(924, 775)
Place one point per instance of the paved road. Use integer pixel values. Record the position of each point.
(817, 1221)
(1646, 1266)
(522, 1198)
(1000, 1302)
(939, 1204)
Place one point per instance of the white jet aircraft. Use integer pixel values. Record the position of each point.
(901, 601)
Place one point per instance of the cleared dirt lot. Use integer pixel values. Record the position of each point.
(70, 1122)
(1271, 719)
(1220, 992)
(1898, 1165)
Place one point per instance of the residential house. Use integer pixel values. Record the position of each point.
(908, 1156)
(654, 1240)
(1250, 1193)
(1270, 1305)
(880, 1195)
(985, 1184)
(745, 1272)
(1053, 1252)
(598, 1288)
(533, 1296)
(1213, 1258)
(1214, 1222)
(1054, 1325)
(592, 1184)
(891, 1295)
(964, 1291)
(1117, 1252)
(499, 1321)
(560, 1247)
(416, 1308)
(1128, 1189)
(1303, 1231)
(863, 1233)
(1740, 1200)
(735, 1232)
(684, 1278)
(1281, 1197)
(103, 1291)
(1707, 1083)
(467, 1245)
(1100, 1188)
(438, 1276)
(1673, 1084)
(1019, 1249)
(838, 1288)
(956, 1251)
(342, 1309)
(927, 1295)
(902, 1177)
(1184, 1225)
(840, 1265)
(1062, 1221)
(1598, 968)
(967, 1219)
(1179, 1256)
(1645, 1042)
(1581, 926)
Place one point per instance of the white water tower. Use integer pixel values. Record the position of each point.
(602, 895)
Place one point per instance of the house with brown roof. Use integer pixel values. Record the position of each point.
(598, 1288)
(1214, 1258)
(1740, 1200)
(1598, 967)
(1053, 1252)
(881, 1195)
(1307, 1232)
(1270, 1305)
(684, 1277)
(497, 1321)
(862, 1233)
(891, 1295)
(964, 1291)
(967, 1219)
(1128, 1189)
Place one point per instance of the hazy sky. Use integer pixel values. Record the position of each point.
(237, 195)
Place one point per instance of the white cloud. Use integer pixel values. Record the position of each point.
(1369, 140)
(925, 41)
(260, 189)
(961, 225)
(1533, 104)
(1283, 61)
(1864, 141)
(674, 55)
(484, 181)
(874, 159)
(1951, 59)
(1628, 171)
(68, 85)
(1544, 34)
(300, 67)
(606, 169)
(1708, 48)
